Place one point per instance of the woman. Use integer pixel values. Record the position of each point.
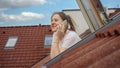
(64, 35)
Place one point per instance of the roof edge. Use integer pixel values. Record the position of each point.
(22, 26)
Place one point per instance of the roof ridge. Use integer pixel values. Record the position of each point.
(23, 26)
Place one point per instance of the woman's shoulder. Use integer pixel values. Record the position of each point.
(71, 33)
(71, 36)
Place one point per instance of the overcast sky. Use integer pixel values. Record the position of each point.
(35, 12)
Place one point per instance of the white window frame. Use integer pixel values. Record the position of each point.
(92, 17)
(11, 42)
(48, 41)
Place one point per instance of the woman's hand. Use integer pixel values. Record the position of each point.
(61, 29)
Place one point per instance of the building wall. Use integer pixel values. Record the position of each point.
(79, 21)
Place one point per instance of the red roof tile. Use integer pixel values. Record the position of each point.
(114, 13)
(41, 62)
(29, 48)
(113, 30)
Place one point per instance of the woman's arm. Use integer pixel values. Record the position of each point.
(58, 36)
(54, 50)
(62, 49)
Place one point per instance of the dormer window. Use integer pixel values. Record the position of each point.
(11, 42)
(48, 41)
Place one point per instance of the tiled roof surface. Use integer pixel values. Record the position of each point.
(103, 51)
(114, 13)
(41, 62)
(29, 48)
(84, 34)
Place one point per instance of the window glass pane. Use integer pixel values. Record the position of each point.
(11, 42)
(48, 41)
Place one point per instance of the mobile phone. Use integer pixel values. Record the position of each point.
(65, 24)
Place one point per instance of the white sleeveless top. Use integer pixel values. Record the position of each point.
(70, 38)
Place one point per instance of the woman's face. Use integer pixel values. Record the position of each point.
(56, 20)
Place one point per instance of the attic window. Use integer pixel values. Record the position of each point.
(11, 42)
(48, 41)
